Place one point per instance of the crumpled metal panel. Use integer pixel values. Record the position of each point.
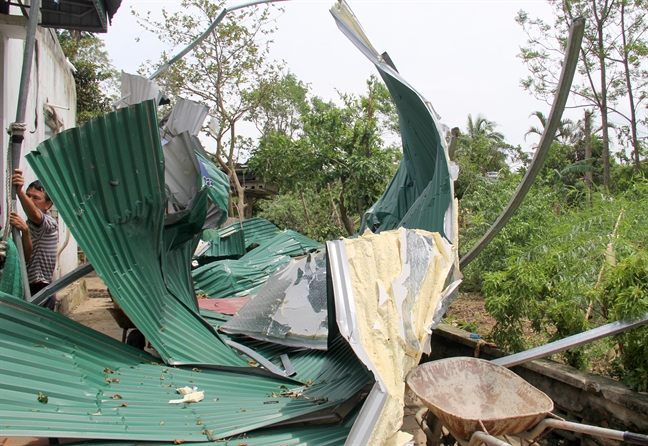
(286, 243)
(186, 116)
(387, 290)
(332, 434)
(114, 206)
(182, 175)
(338, 366)
(425, 159)
(136, 89)
(234, 239)
(244, 277)
(290, 309)
(219, 190)
(61, 379)
(235, 278)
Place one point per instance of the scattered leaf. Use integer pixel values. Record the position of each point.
(161, 423)
(42, 398)
(199, 422)
(107, 370)
(116, 397)
(178, 441)
(196, 370)
(123, 405)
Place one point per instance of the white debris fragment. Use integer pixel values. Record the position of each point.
(184, 390)
(193, 397)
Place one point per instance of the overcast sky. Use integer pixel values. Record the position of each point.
(460, 55)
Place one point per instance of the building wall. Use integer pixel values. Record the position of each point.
(51, 83)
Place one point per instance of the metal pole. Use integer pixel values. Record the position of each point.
(208, 31)
(564, 86)
(18, 127)
(571, 342)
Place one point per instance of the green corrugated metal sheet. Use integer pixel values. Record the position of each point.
(231, 246)
(315, 435)
(97, 387)
(233, 240)
(424, 167)
(107, 181)
(287, 243)
(217, 183)
(235, 278)
(244, 277)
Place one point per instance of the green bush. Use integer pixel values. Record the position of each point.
(624, 293)
(549, 286)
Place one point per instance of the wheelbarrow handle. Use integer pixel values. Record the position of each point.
(549, 423)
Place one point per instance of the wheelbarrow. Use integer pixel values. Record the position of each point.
(478, 401)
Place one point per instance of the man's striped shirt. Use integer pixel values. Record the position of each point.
(40, 268)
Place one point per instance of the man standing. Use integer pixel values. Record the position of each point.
(39, 234)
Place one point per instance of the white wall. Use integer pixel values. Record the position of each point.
(51, 82)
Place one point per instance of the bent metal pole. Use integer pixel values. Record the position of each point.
(207, 32)
(17, 129)
(564, 86)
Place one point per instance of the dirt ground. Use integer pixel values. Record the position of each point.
(469, 313)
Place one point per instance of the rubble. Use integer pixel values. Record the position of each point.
(326, 336)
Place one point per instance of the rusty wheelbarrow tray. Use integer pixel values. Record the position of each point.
(477, 400)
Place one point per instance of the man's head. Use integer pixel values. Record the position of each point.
(36, 192)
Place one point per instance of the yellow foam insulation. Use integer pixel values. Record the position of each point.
(377, 265)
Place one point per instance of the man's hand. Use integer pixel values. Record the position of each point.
(17, 179)
(18, 222)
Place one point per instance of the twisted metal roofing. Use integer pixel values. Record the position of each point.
(244, 277)
(107, 180)
(61, 379)
(233, 240)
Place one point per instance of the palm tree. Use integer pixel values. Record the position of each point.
(567, 133)
(485, 147)
(481, 127)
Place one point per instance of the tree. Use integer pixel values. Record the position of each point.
(483, 146)
(601, 83)
(279, 114)
(566, 134)
(338, 148)
(229, 71)
(94, 75)
(632, 55)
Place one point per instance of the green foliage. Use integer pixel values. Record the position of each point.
(481, 206)
(286, 211)
(549, 285)
(624, 293)
(337, 148)
(94, 76)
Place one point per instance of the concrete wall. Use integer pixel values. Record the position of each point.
(51, 83)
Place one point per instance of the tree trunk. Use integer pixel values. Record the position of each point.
(348, 224)
(240, 192)
(604, 106)
(301, 194)
(588, 148)
(633, 115)
(335, 212)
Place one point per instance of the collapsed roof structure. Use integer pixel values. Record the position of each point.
(329, 336)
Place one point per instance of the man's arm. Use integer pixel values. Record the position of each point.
(33, 213)
(20, 224)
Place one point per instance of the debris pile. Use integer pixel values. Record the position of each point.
(319, 335)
